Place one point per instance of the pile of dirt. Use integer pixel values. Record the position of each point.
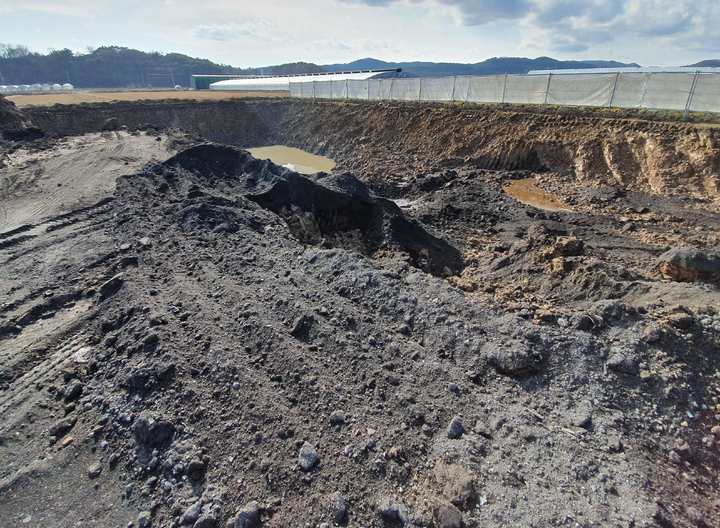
(14, 126)
(330, 210)
(226, 341)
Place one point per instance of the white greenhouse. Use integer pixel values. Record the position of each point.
(282, 83)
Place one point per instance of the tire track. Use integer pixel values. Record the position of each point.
(23, 387)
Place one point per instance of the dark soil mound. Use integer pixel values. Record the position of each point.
(13, 124)
(334, 211)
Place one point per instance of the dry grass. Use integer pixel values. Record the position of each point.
(130, 95)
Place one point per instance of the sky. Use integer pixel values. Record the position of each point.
(266, 32)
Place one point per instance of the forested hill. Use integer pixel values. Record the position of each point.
(115, 67)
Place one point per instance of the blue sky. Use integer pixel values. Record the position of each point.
(243, 33)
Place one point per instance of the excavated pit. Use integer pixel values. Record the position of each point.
(201, 338)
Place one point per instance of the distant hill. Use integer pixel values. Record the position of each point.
(496, 65)
(113, 67)
(712, 63)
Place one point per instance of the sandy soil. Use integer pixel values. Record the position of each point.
(75, 172)
(82, 96)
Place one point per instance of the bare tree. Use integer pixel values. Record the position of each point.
(10, 51)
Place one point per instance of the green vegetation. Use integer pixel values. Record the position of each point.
(116, 67)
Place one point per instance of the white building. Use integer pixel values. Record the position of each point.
(282, 83)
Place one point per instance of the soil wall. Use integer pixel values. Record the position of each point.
(660, 157)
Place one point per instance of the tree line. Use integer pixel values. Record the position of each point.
(118, 67)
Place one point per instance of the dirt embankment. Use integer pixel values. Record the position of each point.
(670, 158)
(389, 142)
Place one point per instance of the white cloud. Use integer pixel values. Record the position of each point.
(255, 28)
(578, 25)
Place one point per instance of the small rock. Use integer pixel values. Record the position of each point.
(393, 512)
(151, 431)
(681, 320)
(111, 286)
(308, 457)
(60, 428)
(145, 242)
(337, 508)
(455, 429)
(447, 516)
(248, 516)
(192, 514)
(623, 363)
(196, 469)
(690, 265)
(144, 520)
(337, 418)
(94, 470)
(72, 391)
(515, 359)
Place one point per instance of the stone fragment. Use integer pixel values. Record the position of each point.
(455, 429)
(248, 516)
(308, 457)
(690, 265)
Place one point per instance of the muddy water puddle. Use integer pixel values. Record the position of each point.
(294, 159)
(527, 191)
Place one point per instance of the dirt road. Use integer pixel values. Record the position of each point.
(87, 96)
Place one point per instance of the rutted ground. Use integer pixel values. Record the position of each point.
(227, 341)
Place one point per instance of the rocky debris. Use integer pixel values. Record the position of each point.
(72, 391)
(455, 428)
(623, 362)
(62, 427)
(151, 431)
(447, 515)
(192, 514)
(337, 505)
(248, 516)
(111, 286)
(308, 457)
(392, 512)
(514, 359)
(690, 265)
(377, 376)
